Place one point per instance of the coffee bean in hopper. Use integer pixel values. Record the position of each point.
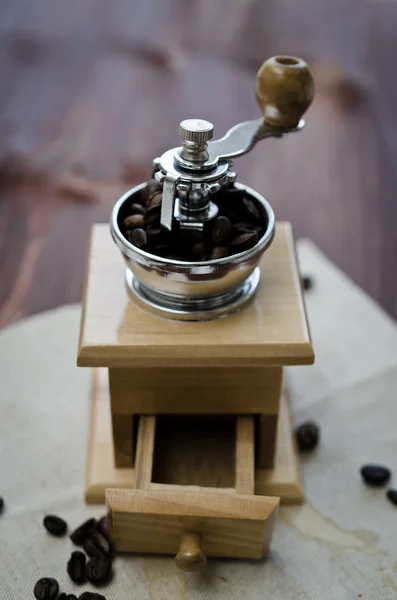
(55, 525)
(84, 531)
(152, 214)
(134, 221)
(151, 187)
(392, 496)
(1, 504)
(375, 475)
(136, 209)
(76, 567)
(138, 237)
(221, 230)
(219, 252)
(243, 242)
(200, 251)
(307, 436)
(64, 596)
(91, 596)
(252, 209)
(46, 589)
(98, 569)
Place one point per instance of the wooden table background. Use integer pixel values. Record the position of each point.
(92, 90)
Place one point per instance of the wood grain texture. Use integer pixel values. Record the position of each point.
(195, 451)
(245, 455)
(271, 330)
(123, 440)
(144, 452)
(283, 480)
(229, 525)
(239, 390)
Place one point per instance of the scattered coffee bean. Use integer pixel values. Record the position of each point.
(375, 475)
(96, 545)
(98, 569)
(219, 252)
(392, 496)
(76, 566)
(46, 589)
(64, 596)
(138, 237)
(307, 436)
(307, 282)
(103, 527)
(137, 209)
(134, 221)
(221, 230)
(84, 531)
(91, 596)
(1, 504)
(55, 525)
(243, 242)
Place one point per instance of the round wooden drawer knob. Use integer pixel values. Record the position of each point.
(190, 557)
(284, 90)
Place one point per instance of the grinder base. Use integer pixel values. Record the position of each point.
(193, 309)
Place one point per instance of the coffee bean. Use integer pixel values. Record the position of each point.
(134, 221)
(200, 251)
(137, 209)
(307, 436)
(221, 230)
(154, 233)
(243, 227)
(96, 545)
(91, 596)
(1, 504)
(138, 237)
(154, 200)
(392, 496)
(150, 188)
(252, 208)
(307, 282)
(64, 596)
(55, 525)
(152, 215)
(46, 589)
(219, 252)
(375, 475)
(103, 527)
(84, 531)
(243, 242)
(76, 566)
(98, 569)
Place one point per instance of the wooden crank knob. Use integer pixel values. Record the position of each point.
(190, 557)
(284, 90)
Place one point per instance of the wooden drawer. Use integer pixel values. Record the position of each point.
(193, 492)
